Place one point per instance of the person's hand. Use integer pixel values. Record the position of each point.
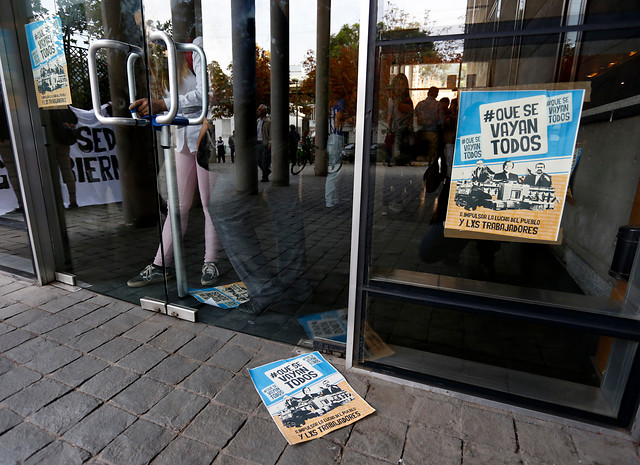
(142, 106)
(203, 131)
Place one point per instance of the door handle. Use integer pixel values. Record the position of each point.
(162, 36)
(204, 89)
(172, 47)
(133, 52)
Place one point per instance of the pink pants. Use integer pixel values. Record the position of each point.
(188, 174)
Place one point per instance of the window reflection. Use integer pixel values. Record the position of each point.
(15, 248)
(502, 51)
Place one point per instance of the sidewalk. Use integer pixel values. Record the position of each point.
(88, 379)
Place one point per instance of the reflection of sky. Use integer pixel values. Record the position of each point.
(302, 18)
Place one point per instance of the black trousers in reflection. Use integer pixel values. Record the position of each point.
(263, 236)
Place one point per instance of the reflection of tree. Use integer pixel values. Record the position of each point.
(79, 19)
(343, 75)
(263, 76)
(221, 103)
(222, 87)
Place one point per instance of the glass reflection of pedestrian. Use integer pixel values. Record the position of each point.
(263, 147)
(430, 119)
(449, 135)
(221, 150)
(400, 118)
(232, 146)
(294, 142)
(189, 175)
(335, 143)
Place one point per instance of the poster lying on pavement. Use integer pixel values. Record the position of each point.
(307, 397)
(328, 331)
(513, 158)
(227, 296)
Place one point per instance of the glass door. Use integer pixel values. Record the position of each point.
(89, 64)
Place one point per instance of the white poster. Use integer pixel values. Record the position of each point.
(94, 161)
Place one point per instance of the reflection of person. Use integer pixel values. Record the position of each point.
(220, 150)
(64, 135)
(189, 174)
(481, 173)
(335, 143)
(232, 146)
(278, 281)
(400, 118)
(449, 134)
(430, 119)
(264, 142)
(507, 173)
(294, 140)
(539, 178)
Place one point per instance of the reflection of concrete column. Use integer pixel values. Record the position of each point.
(280, 91)
(322, 86)
(183, 20)
(243, 32)
(135, 153)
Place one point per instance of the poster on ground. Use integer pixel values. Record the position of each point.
(307, 397)
(227, 296)
(328, 331)
(48, 62)
(513, 158)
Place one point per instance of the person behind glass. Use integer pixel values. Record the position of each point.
(429, 118)
(189, 174)
(232, 146)
(400, 117)
(507, 174)
(307, 146)
(449, 135)
(220, 150)
(64, 136)
(294, 141)
(264, 142)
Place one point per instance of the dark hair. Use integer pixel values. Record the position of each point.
(292, 127)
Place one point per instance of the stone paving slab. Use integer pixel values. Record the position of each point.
(129, 387)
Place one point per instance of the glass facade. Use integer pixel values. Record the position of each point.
(264, 190)
(15, 246)
(444, 301)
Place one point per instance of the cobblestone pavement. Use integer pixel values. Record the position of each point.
(89, 379)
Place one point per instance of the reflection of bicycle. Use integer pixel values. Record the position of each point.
(303, 157)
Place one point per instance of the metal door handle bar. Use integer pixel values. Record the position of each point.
(204, 80)
(130, 50)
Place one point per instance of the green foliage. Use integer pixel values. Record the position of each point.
(221, 98)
